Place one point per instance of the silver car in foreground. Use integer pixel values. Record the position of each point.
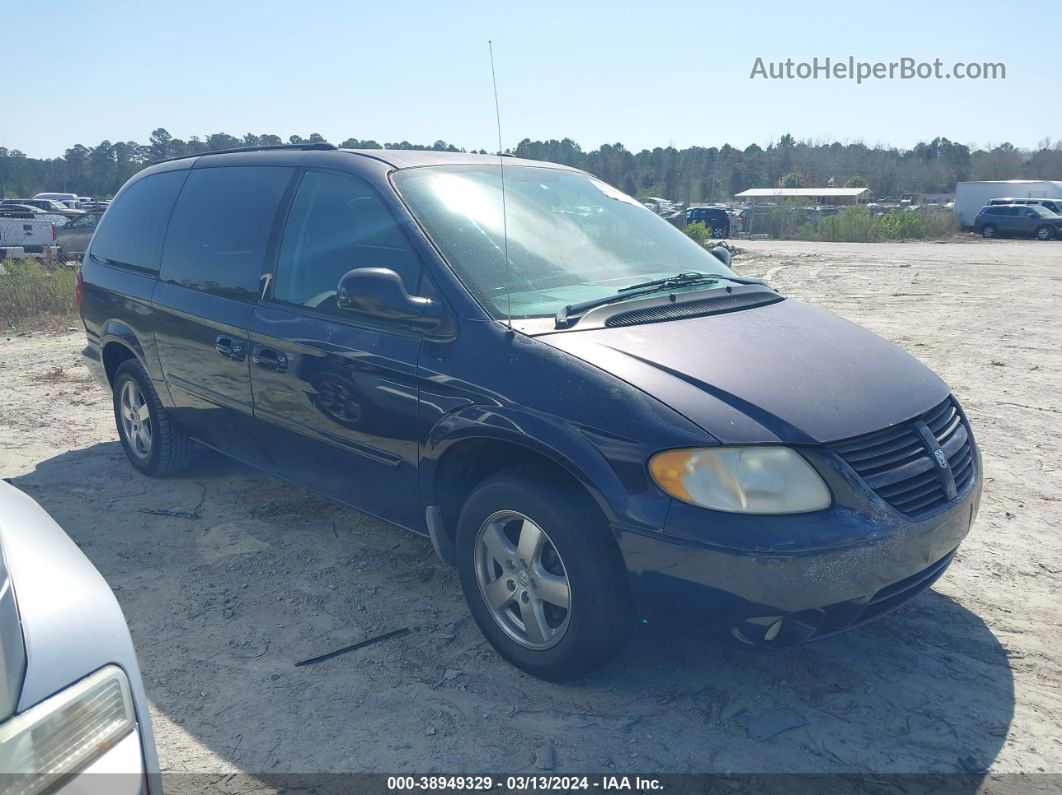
(73, 714)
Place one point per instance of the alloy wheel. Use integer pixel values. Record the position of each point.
(522, 580)
(136, 419)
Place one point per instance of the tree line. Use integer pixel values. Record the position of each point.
(693, 174)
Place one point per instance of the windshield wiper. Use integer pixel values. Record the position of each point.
(687, 278)
(568, 316)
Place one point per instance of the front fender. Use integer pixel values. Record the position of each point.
(610, 468)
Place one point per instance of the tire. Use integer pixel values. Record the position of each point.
(164, 448)
(988, 230)
(577, 549)
(718, 232)
(1044, 232)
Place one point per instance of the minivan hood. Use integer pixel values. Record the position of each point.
(787, 372)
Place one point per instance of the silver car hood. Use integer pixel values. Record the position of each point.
(71, 623)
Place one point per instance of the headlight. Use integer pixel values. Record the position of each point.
(65, 733)
(741, 479)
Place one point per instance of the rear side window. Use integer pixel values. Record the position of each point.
(220, 229)
(337, 223)
(132, 232)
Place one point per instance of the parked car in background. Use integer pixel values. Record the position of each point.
(47, 205)
(12, 210)
(73, 238)
(1054, 205)
(24, 234)
(73, 714)
(1018, 220)
(69, 199)
(718, 219)
(346, 320)
(971, 196)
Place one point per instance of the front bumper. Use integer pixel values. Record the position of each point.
(867, 564)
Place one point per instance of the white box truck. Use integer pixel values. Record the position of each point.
(970, 197)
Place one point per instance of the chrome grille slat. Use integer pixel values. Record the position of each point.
(897, 464)
(954, 423)
(910, 495)
(939, 418)
(900, 490)
(884, 454)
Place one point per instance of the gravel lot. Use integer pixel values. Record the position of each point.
(228, 578)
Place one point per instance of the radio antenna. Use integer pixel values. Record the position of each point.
(505, 213)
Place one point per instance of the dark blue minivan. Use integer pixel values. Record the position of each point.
(594, 418)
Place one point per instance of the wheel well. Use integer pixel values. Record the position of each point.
(114, 353)
(470, 462)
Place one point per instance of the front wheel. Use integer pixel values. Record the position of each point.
(542, 575)
(988, 230)
(1044, 233)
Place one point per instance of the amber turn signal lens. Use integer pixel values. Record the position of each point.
(669, 469)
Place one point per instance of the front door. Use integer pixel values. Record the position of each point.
(336, 395)
(215, 254)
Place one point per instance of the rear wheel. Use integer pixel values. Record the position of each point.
(542, 575)
(152, 443)
(718, 232)
(988, 230)
(1044, 233)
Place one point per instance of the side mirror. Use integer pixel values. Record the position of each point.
(722, 254)
(378, 293)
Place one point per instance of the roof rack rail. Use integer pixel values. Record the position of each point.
(307, 146)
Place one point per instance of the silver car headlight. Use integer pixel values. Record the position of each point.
(757, 480)
(67, 732)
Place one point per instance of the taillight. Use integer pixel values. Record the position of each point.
(80, 287)
(54, 235)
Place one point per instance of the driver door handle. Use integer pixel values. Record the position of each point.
(269, 358)
(230, 348)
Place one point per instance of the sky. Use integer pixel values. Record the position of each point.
(642, 74)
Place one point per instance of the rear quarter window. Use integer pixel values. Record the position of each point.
(133, 229)
(220, 229)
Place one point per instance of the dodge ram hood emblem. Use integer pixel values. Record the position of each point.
(942, 458)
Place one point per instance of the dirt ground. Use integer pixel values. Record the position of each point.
(228, 578)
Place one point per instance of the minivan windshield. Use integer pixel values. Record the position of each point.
(571, 237)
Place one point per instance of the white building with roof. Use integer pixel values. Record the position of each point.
(825, 196)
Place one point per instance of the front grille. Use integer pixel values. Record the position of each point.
(899, 463)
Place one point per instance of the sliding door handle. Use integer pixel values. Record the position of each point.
(269, 359)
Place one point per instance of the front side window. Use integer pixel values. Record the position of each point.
(571, 237)
(337, 223)
(220, 229)
(132, 231)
